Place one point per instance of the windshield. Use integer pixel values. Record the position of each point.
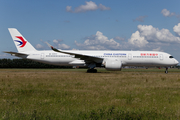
(171, 57)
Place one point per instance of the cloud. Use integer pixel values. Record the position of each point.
(60, 46)
(39, 46)
(167, 13)
(176, 29)
(89, 6)
(63, 46)
(154, 34)
(56, 44)
(137, 40)
(157, 49)
(68, 9)
(119, 38)
(98, 42)
(140, 18)
(149, 37)
(102, 7)
(55, 41)
(146, 37)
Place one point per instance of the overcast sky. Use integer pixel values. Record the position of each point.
(93, 25)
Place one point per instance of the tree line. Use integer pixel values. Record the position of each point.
(25, 63)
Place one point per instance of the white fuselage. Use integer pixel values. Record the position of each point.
(127, 58)
(111, 60)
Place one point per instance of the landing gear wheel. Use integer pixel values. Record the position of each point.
(95, 70)
(91, 71)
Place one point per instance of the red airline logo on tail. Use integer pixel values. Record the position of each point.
(22, 42)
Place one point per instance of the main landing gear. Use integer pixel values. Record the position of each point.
(166, 70)
(92, 71)
(91, 67)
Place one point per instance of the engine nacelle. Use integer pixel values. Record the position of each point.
(113, 64)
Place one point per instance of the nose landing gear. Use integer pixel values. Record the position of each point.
(166, 70)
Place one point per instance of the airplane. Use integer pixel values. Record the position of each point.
(111, 60)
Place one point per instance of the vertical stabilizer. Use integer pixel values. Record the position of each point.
(20, 42)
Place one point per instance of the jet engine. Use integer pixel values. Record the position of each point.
(113, 64)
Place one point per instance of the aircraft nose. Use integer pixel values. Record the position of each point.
(176, 62)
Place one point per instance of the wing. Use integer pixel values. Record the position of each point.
(87, 58)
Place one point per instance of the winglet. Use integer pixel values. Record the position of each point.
(54, 49)
(48, 44)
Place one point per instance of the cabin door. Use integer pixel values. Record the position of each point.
(42, 55)
(161, 56)
(129, 56)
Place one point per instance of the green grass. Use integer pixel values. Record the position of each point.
(75, 94)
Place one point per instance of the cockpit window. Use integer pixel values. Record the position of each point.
(171, 57)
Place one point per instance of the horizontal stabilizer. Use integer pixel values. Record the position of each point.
(16, 54)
